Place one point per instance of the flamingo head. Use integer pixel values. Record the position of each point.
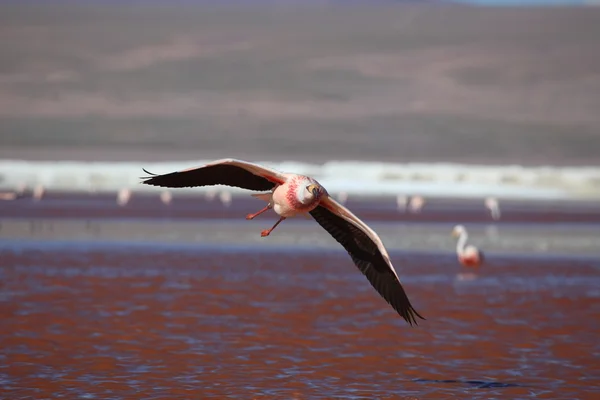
(458, 230)
(314, 190)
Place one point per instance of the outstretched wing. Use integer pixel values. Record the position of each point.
(227, 172)
(367, 252)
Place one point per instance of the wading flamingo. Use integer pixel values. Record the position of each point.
(415, 204)
(401, 202)
(166, 197)
(123, 197)
(469, 256)
(291, 195)
(225, 198)
(342, 197)
(492, 204)
(8, 195)
(38, 192)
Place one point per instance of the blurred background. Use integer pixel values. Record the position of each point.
(303, 81)
(309, 82)
(417, 115)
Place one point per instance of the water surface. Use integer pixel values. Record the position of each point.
(109, 320)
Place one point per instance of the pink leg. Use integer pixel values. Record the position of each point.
(256, 214)
(266, 232)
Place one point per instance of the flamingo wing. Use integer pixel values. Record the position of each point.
(367, 252)
(229, 172)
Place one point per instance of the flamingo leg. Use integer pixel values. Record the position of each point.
(256, 214)
(267, 232)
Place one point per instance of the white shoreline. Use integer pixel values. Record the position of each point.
(356, 178)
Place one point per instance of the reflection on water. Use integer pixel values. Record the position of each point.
(140, 321)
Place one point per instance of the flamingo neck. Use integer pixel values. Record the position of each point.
(462, 242)
(302, 195)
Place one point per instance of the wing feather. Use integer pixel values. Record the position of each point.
(229, 172)
(367, 255)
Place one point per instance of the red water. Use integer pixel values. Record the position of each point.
(123, 321)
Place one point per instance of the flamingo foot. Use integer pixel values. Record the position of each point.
(256, 214)
(267, 232)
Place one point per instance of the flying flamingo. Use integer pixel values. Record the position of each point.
(291, 195)
(469, 256)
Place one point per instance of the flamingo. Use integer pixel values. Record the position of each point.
(123, 197)
(211, 194)
(225, 198)
(166, 197)
(416, 204)
(342, 197)
(8, 195)
(291, 195)
(469, 256)
(492, 204)
(38, 192)
(401, 202)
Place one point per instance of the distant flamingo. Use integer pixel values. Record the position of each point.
(211, 194)
(18, 192)
(469, 256)
(416, 203)
(492, 204)
(21, 189)
(225, 198)
(123, 197)
(38, 192)
(401, 202)
(8, 195)
(166, 197)
(291, 195)
(342, 197)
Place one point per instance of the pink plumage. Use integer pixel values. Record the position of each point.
(291, 195)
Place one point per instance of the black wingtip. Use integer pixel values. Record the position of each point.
(148, 172)
(411, 317)
(145, 179)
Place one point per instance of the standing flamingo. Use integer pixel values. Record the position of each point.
(416, 203)
(291, 195)
(8, 195)
(225, 198)
(469, 256)
(342, 197)
(166, 197)
(492, 204)
(123, 197)
(401, 202)
(38, 192)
